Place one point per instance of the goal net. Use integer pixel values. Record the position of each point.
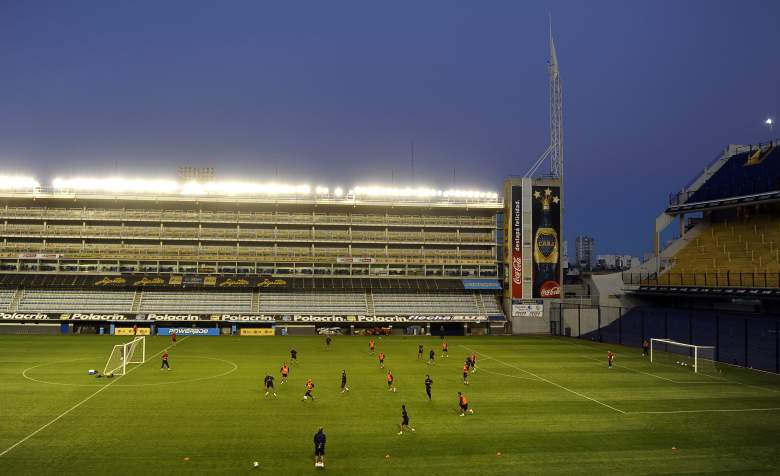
(699, 358)
(133, 352)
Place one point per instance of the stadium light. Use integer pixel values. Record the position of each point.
(770, 123)
(338, 192)
(116, 184)
(17, 182)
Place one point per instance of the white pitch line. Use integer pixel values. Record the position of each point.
(483, 369)
(549, 381)
(681, 382)
(707, 411)
(7, 450)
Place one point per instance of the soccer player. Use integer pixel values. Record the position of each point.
(404, 421)
(610, 358)
(390, 385)
(327, 342)
(309, 388)
(381, 360)
(473, 362)
(371, 346)
(645, 348)
(465, 374)
(419, 352)
(431, 357)
(344, 387)
(319, 449)
(269, 385)
(165, 361)
(173, 337)
(464, 404)
(285, 370)
(293, 356)
(135, 329)
(428, 383)
(444, 349)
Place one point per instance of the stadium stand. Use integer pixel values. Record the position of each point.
(49, 300)
(752, 171)
(194, 301)
(314, 303)
(6, 296)
(386, 303)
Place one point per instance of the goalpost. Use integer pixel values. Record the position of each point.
(133, 352)
(697, 357)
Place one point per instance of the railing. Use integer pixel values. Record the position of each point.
(705, 279)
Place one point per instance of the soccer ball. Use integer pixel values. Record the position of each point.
(305, 397)
(256, 464)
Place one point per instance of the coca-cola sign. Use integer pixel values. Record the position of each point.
(517, 243)
(550, 289)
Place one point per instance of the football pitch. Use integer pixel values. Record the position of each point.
(542, 405)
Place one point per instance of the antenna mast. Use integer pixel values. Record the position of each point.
(555, 149)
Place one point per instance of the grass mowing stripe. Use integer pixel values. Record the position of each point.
(548, 381)
(89, 397)
(707, 411)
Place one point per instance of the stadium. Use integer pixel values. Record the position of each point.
(142, 319)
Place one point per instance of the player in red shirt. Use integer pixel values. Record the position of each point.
(381, 360)
(165, 361)
(465, 374)
(390, 384)
(444, 349)
(371, 346)
(610, 358)
(285, 370)
(135, 329)
(473, 362)
(645, 347)
(173, 337)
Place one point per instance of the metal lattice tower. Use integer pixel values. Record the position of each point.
(555, 149)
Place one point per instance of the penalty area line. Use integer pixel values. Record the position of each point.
(549, 381)
(88, 398)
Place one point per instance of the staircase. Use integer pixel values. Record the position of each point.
(255, 300)
(13, 306)
(370, 303)
(136, 301)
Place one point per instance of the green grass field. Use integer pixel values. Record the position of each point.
(547, 405)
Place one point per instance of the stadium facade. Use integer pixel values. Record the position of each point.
(112, 250)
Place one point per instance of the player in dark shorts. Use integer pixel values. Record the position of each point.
(319, 449)
(464, 404)
(610, 358)
(390, 380)
(293, 356)
(431, 357)
(344, 387)
(445, 349)
(371, 346)
(269, 385)
(165, 361)
(474, 362)
(285, 370)
(645, 348)
(309, 388)
(428, 383)
(327, 342)
(381, 360)
(419, 352)
(404, 421)
(465, 374)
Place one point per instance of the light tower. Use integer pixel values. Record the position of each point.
(555, 149)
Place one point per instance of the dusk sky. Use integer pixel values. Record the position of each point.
(333, 93)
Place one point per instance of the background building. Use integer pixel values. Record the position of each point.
(586, 246)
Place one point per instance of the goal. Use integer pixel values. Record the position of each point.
(698, 358)
(133, 352)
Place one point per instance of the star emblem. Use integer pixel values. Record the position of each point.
(537, 194)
